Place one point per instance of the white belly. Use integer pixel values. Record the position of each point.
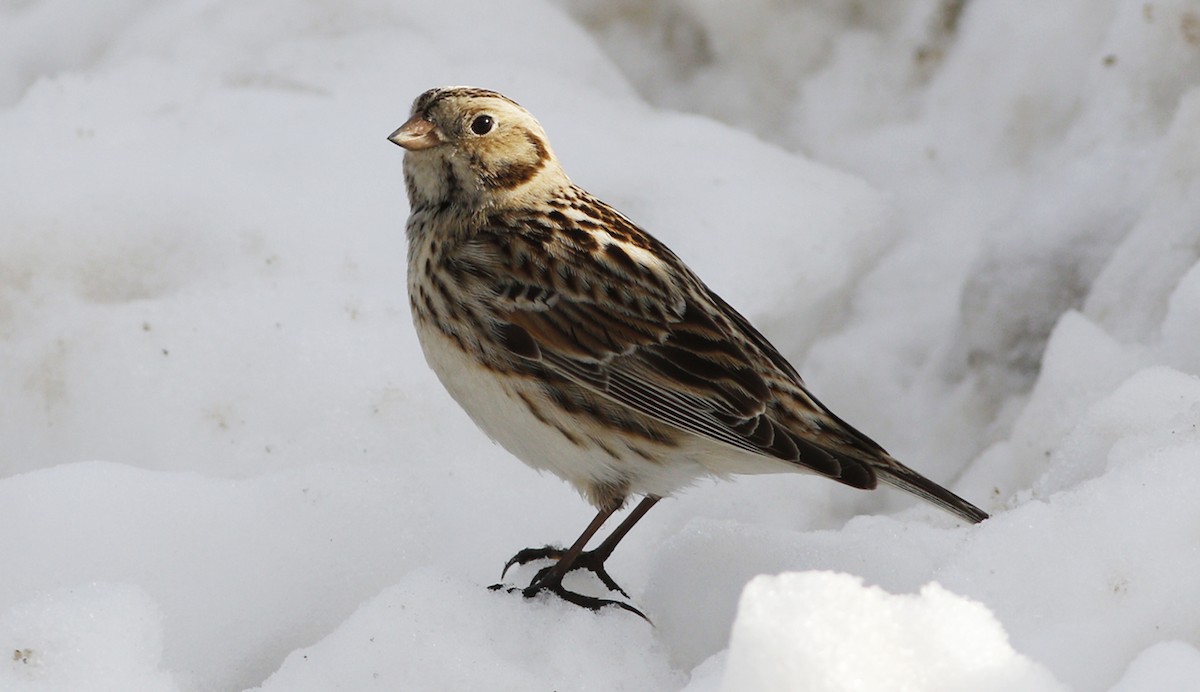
(574, 449)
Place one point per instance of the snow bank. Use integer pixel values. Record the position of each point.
(825, 631)
(91, 637)
(973, 226)
(434, 631)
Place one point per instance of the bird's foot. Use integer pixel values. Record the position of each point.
(550, 579)
(588, 560)
(554, 585)
(544, 581)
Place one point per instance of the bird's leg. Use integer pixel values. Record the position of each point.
(593, 560)
(564, 559)
(550, 578)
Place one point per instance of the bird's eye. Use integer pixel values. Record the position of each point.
(482, 124)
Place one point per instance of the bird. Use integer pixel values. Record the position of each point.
(585, 347)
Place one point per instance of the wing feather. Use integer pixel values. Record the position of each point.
(653, 338)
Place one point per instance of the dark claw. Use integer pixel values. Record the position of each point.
(586, 560)
(598, 570)
(528, 555)
(571, 597)
(546, 580)
(555, 587)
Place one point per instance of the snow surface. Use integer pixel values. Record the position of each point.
(975, 227)
(813, 631)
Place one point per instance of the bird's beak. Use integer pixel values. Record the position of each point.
(416, 134)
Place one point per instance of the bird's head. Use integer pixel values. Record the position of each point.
(475, 148)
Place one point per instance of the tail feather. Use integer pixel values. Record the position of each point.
(864, 463)
(906, 479)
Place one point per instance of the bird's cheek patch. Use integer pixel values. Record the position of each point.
(515, 173)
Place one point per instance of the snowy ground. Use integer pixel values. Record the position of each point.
(224, 465)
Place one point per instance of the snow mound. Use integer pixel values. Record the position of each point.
(95, 637)
(822, 631)
(435, 632)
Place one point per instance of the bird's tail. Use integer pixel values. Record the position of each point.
(900, 476)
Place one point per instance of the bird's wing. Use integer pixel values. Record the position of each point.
(642, 330)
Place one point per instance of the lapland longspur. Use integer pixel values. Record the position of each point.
(585, 347)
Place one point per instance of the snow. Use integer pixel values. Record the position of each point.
(814, 630)
(974, 227)
(1164, 666)
(435, 631)
(98, 636)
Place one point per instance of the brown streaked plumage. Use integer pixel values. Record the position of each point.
(586, 347)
